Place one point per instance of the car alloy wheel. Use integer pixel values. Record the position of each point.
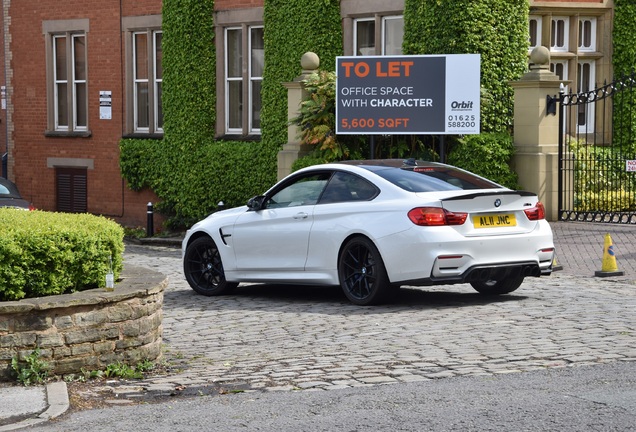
(362, 274)
(203, 268)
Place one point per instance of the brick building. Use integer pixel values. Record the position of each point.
(80, 75)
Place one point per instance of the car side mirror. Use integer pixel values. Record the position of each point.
(256, 203)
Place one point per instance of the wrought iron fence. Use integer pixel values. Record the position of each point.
(597, 153)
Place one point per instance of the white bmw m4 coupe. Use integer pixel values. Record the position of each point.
(373, 226)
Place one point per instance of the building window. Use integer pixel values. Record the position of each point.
(560, 69)
(67, 87)
(587, 34)
(364, 37)
(586, 82)
(147, 76)
(243, 78)
(391, 34)
(559, 34)
(534, 31)
(144, 74)
(71, 190)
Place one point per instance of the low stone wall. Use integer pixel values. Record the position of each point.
(89, 329)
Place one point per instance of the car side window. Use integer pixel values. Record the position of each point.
(304, 190)
(345, 187)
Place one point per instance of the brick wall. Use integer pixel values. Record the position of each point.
(107, 193)
(236, 4)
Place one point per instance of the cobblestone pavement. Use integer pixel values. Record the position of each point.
(279, 338)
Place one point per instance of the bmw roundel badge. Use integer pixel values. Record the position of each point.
(497, 202)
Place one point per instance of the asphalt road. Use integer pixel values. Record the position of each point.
(587, 398)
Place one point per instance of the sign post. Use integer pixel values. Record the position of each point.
(388, 95)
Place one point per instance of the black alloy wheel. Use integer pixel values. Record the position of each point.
(203, 268)
(362, 274)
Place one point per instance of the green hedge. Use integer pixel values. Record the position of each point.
(487, 155)
(45, 253)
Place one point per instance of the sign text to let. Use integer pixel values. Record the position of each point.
(407, 94)
(390, 69)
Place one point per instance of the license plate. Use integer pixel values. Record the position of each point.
(495, 220)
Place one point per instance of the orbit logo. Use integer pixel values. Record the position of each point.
(462, 105)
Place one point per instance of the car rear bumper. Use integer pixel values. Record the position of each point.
(443, 256)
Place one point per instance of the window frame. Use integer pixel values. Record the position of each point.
(155, 126)
(554, 34)
(379, 31)
(581, 47)
(77, 84)
(247, 79)
(538, 19)
(384, 35)
(590, 112)
(151, 26)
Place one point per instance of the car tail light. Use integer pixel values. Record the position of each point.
(31, 207)
(435, 216)
(536, 213)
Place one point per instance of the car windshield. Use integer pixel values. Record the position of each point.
(4, 191)
(432, 178)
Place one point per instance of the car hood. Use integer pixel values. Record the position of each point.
(14, 203)
(223, 217)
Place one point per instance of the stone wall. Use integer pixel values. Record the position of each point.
(87, 330)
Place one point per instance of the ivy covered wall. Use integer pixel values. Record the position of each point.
(293, 27)
(498, 30)
(624, 63)
(188, 169)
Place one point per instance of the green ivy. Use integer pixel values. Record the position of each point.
(498, 30)
(191, 171)
(494, 150)
(294, 27)
(624, 62)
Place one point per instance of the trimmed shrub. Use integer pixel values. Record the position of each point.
(44, 253)
(487, 155)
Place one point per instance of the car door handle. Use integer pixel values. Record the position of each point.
(301, 215)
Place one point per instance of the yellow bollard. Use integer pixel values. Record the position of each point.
(609, 266)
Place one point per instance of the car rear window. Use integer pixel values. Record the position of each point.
(432, 178)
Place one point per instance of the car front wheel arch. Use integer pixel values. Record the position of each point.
(361, 272)
(203, 267)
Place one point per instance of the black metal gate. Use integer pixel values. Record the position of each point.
(597, 154)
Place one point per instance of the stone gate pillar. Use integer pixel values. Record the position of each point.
(295, 95)
(536, 131)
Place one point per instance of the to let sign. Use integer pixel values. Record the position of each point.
(436, 94)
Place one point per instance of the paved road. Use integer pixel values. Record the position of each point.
(594, 398)
(277, 337)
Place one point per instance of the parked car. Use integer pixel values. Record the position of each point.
(10, 196)
(372, 226)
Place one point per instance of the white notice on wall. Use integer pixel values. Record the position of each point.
(105, 105)
(630, 165)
